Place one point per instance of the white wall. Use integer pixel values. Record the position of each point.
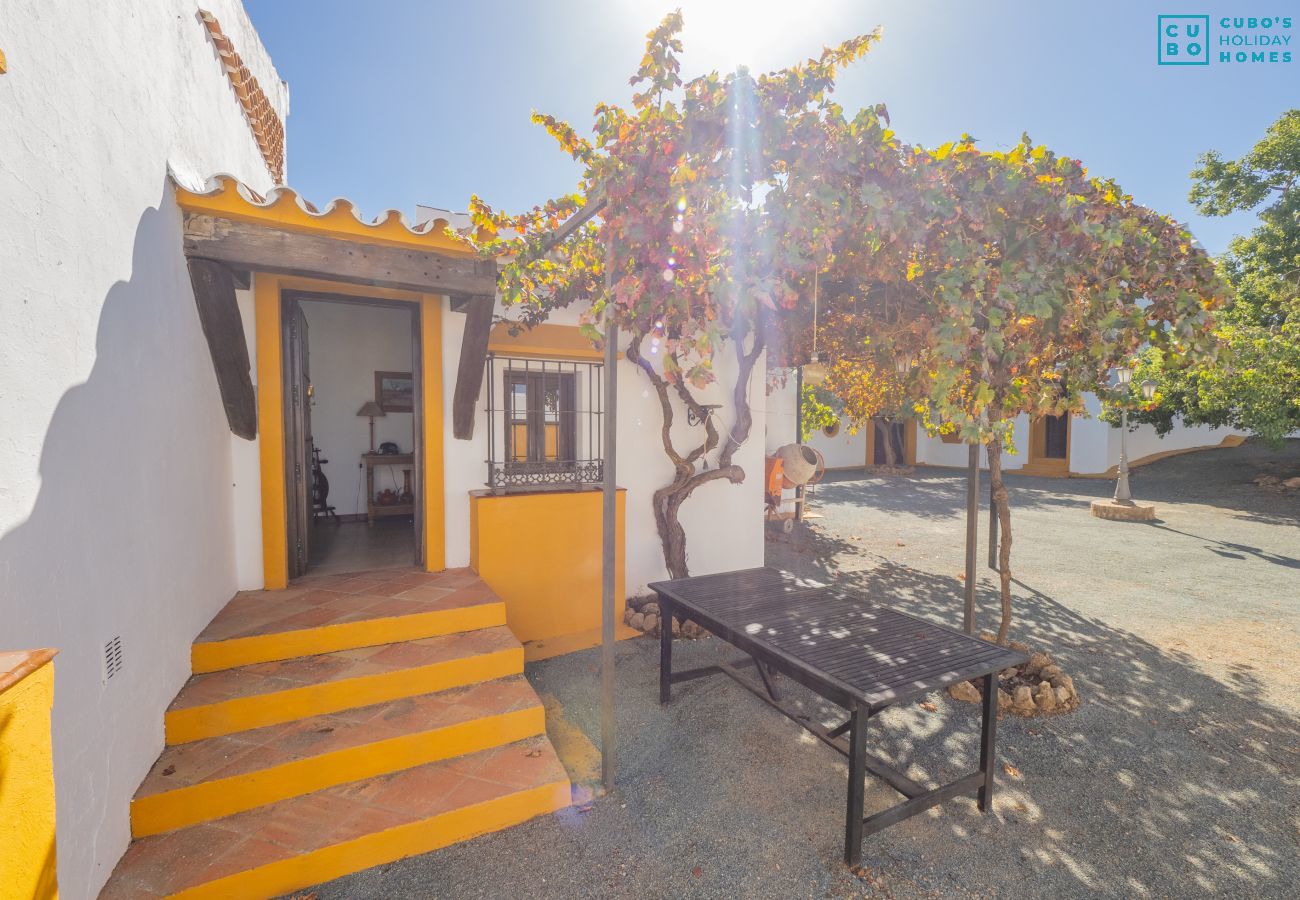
(116, 509)
(1094, 445)
(723, 522)
(347, 344)
(845, 450)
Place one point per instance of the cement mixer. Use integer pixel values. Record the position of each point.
(791, 467)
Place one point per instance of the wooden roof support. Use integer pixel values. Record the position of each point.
(214, 294)
(262, 248)
(473, 359)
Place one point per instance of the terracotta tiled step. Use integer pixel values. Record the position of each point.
(340, 612)
(270, 693)
(223, 775)
(316, 837)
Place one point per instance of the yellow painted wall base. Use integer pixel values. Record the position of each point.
(545, 648)
(209, 720)
(540, 553)
(381, 847)
(219, 797)
(215, 655)
(27, 857)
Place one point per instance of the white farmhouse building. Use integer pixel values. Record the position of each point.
(1056, 446)
(185, 353)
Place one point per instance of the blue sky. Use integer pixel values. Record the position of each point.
(398, 102)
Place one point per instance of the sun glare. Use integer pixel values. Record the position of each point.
(760, 34)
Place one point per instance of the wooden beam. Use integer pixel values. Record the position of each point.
(257, 247)
(214, 294)
(473, 359)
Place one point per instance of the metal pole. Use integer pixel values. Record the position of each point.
(972, 534)
(609, 533)
(798, 437)
(993, 529)
(1122, 494)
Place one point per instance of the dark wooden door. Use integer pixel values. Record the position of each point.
(297, 437)
(1056, 437)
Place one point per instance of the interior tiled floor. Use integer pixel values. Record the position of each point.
(356, 546)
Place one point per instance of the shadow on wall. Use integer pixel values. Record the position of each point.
(1163, 777)
(129, 535)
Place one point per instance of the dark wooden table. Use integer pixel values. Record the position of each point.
(855, 653)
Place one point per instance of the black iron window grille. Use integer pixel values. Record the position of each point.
(544, 426)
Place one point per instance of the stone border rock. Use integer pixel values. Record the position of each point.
(1119, 511)
(643, 615)
(1036, 688)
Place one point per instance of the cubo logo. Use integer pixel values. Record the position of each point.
(1184, 40)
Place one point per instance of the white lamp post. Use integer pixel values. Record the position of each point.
(1122, 493)
(1122, 507)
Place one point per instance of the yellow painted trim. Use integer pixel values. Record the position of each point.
(339, 222)
(435, 519)
(909, 443)
(270, 418)
(387, 846)
(545, 341)
(212, 656)
(212, 719)
(270, 411)
(27, 818)
(226, 796)
(540, 553)
(1037, 463)
(545, 648)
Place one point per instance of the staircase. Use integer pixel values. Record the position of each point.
(346, 722)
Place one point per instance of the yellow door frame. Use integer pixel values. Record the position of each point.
(1038, 461)
(909, 443)
(270, 413)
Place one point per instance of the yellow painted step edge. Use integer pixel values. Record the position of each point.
(212, 656)
(212, 719)
(338, 860)
(209, 800)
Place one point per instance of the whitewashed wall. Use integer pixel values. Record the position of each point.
(348, 343)
(1094, 445)
(844, 451)
(724, 522)
(116, 510)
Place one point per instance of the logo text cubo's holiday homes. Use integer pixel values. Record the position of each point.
(1196, 40)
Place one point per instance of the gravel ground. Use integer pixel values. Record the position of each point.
(1177, 777)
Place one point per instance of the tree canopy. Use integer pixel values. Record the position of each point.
(1256, 384)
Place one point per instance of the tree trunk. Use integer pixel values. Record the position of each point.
(668, 499)
(885, 434)
(1003, 510)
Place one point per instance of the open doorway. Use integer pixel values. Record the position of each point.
(1049, 445)
(352, 428)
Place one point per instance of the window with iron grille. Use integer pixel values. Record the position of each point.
(543, 423)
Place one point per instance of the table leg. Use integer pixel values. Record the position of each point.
(988, 727)
(857, 786)
(665, 650)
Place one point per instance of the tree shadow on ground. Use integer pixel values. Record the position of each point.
(1163, 782)
(1222, 477)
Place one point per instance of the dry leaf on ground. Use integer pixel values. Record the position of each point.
(1011, 770)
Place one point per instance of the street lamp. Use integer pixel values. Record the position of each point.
(1123, 508)
(1122, 493)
